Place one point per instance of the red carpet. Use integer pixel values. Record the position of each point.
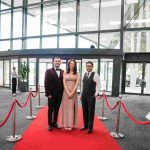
(37, 137)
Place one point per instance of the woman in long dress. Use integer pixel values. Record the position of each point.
(69, 114)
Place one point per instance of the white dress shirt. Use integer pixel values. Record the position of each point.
(14, 74)
(58, 71)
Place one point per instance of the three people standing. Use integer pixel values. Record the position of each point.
(62, 86)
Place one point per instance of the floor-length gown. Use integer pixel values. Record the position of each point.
(69, 106)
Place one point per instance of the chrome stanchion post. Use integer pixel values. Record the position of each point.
(31, 116)
(39, 99)
(14, 137)
(116, 134)
(102, 117)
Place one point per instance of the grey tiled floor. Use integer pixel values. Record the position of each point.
(137, 137)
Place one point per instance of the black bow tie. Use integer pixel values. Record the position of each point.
(57, 69)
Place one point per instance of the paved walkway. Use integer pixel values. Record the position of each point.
(136, 136)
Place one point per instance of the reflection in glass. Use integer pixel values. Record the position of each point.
(5, 25)
(17, 44)
(44, 64)
(4, 45)
(133, 78)
(49, 42)
(67, 41)
(110, 15)
(17, 23)
(68, 17)
(6, 73)
(137, 41)
(33, 21)
(106, 74)
(88, 22)
(32, 73)
(133, 19)
(110, 40)
(33, 43)
(147, 79)
(1, 73)
(3, 6)
(50, 14)
(18, 3)
(86, 40)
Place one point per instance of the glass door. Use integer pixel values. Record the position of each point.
(6, 73)
(133, 80)
(32, 74)
(146, 81)
(1, 73)
(106, 75)
(44, 64)
(14, 63)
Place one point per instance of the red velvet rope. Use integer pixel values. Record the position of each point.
(35, 93)
(8, 115)
(132, 118)
(99, 98)
(22, 106)
(111, 108)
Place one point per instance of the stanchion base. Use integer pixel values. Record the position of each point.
(40, 106)
(13, 139)
(102, 118)
(30, 117)
(116, 135)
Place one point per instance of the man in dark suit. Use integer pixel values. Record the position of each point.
(54, 90)
(90, 88)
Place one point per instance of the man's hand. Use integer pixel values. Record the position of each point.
(50, 96)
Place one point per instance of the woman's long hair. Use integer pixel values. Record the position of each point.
(75, 67)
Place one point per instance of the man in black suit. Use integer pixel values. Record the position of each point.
(54, 90)
(90, 88)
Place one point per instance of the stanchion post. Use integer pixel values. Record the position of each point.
(31, 116)
(39, 99)
(14, 137)
(116, 134)
(102, 117)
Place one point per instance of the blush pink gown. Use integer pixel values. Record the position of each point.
(69, 107)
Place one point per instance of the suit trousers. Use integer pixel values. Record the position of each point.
(14, 84)
(53, 108)
(88, 106)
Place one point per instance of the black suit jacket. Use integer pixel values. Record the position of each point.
(53, 83)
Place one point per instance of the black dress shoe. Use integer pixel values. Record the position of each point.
(89, 131)
(50, 128)
(55, 125)
(83, 128)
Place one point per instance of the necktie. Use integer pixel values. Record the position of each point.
(87, 75)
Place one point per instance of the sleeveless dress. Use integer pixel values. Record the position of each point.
(69, 107)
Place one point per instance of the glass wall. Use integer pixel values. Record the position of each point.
(32, 74)
(1, 73)
(137, 41)
(133, 77)
(106, 74)
(44, 64)
(6, 73)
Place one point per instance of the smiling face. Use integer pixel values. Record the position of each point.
(89, 67)
(57, 62)
(72, 65)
